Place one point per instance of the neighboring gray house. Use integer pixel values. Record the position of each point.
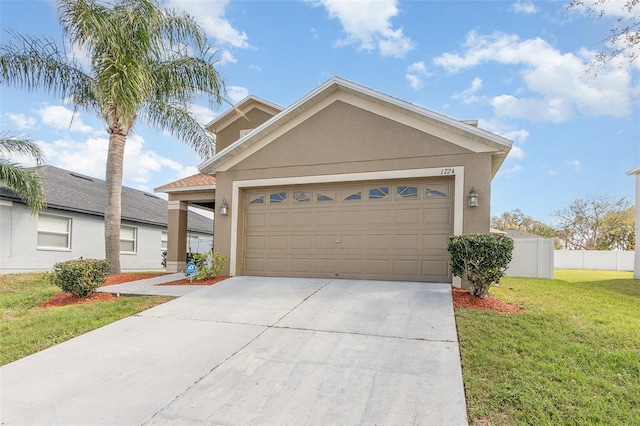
(72, 226)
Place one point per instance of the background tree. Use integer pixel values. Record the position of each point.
(624, 38)
(619, 230)
(515, 219)
(25, 183)
(146, 64)
(593, 223)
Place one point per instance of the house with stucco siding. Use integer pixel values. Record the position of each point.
(72, 226)
(347, 182)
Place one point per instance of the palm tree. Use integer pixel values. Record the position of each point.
(25, 183)
(147, 65)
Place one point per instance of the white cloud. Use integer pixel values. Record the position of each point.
(21, 121)
(89, 157)
(237, 93)
(523, 8)
(508, 172)
(226, 57)
(368, 24)
(556, 82)
(414, 72)
(414, 81)
(518, 136)
(467, 96)
(59, 117)
(574, 164)
(211, 15)
(203, 114)
(551, 172)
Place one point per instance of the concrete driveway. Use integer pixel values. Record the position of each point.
(260, 351)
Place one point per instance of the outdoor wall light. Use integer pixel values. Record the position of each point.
(224, 207)
(473, 198)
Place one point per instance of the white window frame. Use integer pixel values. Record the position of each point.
(164, 240)
(67, 233)
(135, 239)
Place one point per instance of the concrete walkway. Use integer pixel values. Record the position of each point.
(259, 351)
(150, 286)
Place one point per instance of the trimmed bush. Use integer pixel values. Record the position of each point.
(480, 259)
(80, 277)
(208, 265)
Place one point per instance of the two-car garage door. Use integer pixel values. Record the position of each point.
(392, 230)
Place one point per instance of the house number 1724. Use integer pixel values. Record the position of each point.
(450, 171)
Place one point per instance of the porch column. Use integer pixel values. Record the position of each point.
(177, 236)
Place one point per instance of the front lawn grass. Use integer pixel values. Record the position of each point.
(25, 328)
(573, 357)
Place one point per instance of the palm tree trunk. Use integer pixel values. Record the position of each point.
(113, 208)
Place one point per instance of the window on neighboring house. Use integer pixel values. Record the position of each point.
(128, 239)
(163, 240)
(54, 232)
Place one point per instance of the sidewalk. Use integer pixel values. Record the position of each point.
(150, 287)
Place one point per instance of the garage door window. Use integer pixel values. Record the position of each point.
(302, 196)
(379, 193)
(326, 195)
(404, 191)
(278, 197)
(352, 194)
(256, 199)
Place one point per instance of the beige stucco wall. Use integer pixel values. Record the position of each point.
(231, 133)
(345, 139)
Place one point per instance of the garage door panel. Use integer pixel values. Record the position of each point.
(434, 242)
(253, 265)
(279, 242)
(255, 242)
(300, 266)
(302, 219)
(324, 267)
(349, 267)
(352, 218)
(256, 220)
(406, 242)
(406, 268)
(276, 266)
(277, 220)
(378, 268)
(383, 218)
(407, 216)
(437, 269)
(351, 242)
(325, 242)
(377, 230)
(436, 217)
(326, 218)
(302, 242)
(378, 241)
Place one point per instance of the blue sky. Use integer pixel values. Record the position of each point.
(520, 68)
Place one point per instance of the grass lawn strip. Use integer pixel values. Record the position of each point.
(25, 328)
(571, 358)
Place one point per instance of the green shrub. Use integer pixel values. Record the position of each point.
(480, 259)
(208, 265)
(80, 277)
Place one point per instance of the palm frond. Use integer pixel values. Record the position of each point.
(176, 120)
(25, 183)
(14, 143)
(32, 64)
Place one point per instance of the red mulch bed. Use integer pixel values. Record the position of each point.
(64, 299)
(185, 281)
(462, 299)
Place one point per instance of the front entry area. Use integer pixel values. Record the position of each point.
(385, 230)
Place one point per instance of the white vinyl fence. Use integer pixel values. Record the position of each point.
(591, 259)
(532, 258)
